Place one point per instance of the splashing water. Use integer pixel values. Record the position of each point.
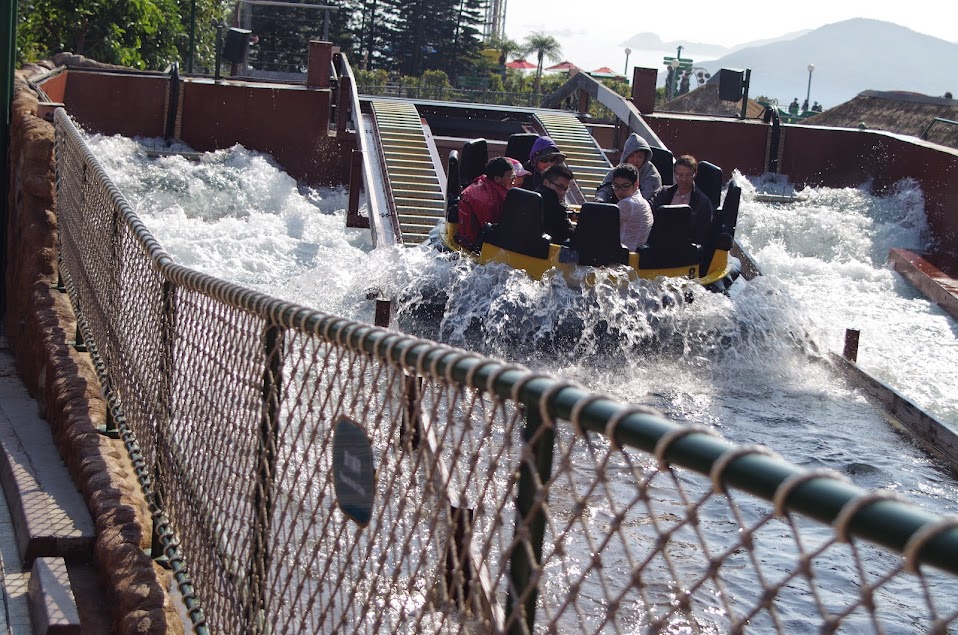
(830, 252)
(753, 364)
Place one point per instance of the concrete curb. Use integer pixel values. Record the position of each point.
(49, 515)
(52, 604)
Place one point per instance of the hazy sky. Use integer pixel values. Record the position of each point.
(593, 37)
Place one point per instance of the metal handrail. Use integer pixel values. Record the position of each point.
(924, 134)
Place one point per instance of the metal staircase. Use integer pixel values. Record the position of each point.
(413, 185)
(583, 155)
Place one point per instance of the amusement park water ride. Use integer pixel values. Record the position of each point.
(519, 241)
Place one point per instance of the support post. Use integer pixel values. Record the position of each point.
(459, 573)
(643, 89)
(217, 75)
(157, 548)
(748, 76)
(109, 429)
(344, 92)
(526, 560)
(411, 430)
(161, 441)
(851, 345)
(320, 59)
(264, 498)
(8, 27)
(189, 67)
(173, 103)
(583, 102)
(353, 217)
(79, 345)
(383, 310)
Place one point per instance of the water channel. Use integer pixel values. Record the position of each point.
(755, 365)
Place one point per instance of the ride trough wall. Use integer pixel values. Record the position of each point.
(501, 499)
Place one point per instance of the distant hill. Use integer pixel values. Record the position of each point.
(849, 57)
(652, 42)
(771, 40)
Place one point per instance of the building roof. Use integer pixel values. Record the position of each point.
(562, 66)
(605, 71)
(520, 65)
(899, 112)
(704, 100)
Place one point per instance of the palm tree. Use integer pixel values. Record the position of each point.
(544, 46)
(505, 46)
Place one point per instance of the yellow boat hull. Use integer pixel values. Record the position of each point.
(720, 267)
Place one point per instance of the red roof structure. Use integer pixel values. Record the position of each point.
(521, 65)
(562, 66)
(605, 71)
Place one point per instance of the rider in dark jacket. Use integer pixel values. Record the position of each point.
(544, 153)
(555, 215)
(686, 192)
(636, 151)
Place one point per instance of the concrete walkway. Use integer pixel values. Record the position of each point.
(15, 617)
(47, 579)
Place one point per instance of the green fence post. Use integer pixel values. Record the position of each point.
(525, 560)
(108, 429)
(266, 468)
(8, 47)
(158, 549)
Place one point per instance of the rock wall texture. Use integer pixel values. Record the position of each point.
(40, 326)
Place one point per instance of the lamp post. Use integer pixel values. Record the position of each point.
(674, 64)
(628, 52)
(189, 67)
(808, 93)
(702, 75)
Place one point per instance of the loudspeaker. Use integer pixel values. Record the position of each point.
(731, 84)
(236, 45)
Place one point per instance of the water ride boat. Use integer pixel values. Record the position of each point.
(518, 239)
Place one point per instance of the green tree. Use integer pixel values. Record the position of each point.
(545, 47)
(369, 28)
(421, 35)
(505, 46)
(410, 30)
(466, 47)
(145, 34)
(282, 34)
(136, 33)
(208, 14)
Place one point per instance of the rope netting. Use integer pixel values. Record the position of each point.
(314, 474)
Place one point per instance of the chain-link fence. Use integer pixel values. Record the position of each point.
(324, 475)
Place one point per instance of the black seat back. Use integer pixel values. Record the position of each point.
(670, 242)
(521, 229)
(453, 189)
(596, 236)
(664, 162)
(520, 145)
(722, 231)
(708, 178)
(729, 209)
(475, 155)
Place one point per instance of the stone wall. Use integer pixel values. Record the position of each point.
(40, 326)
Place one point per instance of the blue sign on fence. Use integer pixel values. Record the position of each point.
(353, 472)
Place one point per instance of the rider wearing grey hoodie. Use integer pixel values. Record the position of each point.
(649, 178)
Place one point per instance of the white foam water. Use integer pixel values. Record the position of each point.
(236, 215)
(754, 364)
